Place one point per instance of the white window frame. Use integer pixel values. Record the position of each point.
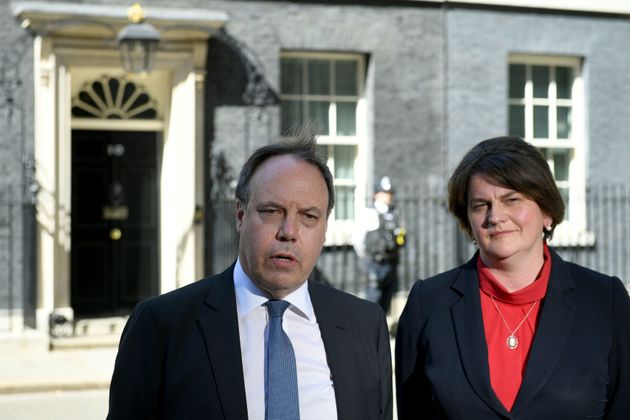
(340, 231)
(573, 231)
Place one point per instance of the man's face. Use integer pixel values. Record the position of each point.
(384, 197)
(282, 228)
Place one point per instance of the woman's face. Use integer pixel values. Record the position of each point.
(506, 224)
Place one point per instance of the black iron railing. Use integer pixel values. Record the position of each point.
(435, 244)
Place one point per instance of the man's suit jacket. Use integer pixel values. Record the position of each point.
(578, 365)
(180, 356)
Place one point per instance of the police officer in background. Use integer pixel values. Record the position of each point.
(377, 239)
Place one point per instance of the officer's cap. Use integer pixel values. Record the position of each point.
(384, 185)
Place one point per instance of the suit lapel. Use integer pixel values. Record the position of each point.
(470, 336)
(336, 338)
(220, 331)
(555, 322)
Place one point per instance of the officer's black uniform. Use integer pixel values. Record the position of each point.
(382, 249)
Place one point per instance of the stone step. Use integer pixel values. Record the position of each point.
(84, 342)
(89, 333)
(99, 326)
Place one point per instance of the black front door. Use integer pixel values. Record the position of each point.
(114, 253)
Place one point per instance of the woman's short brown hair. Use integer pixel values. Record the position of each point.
(511, 163)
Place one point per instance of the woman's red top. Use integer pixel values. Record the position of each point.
(507, 366)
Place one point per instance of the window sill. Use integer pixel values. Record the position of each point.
(572, 237)
(339, 232)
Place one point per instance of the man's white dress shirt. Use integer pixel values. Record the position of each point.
(315, 387)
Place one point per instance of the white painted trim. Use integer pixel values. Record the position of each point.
(61, 65)
(602, 6)
(566, 236)
(595, 6)
(61, 10)
(572, 232)
(117, 125)
(319, 54)
(162, 13)
(339, 231)
(11, 321)
(545, 59)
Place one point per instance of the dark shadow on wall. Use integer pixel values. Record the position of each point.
(234, 78)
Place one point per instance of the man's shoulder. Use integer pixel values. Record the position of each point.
(339, 298)
(189, 296)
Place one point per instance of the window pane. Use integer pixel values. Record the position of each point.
(517, 120)
(517, 81)
(344, 202)
(564, 81)
(344, 161)
(541, 122)
(564, 122)
(318, 115)
(319, 77)
(540, 77)
(291, 114)
(561, 159)
(346, 118)
(564, 192)
(291, 75)
(346, 78)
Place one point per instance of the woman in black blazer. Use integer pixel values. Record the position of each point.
(515, 333)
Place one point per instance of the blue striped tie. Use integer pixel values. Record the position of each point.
(281, 391)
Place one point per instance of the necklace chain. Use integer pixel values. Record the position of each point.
(512, 341)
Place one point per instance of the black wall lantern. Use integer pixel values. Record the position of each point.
(137, 42)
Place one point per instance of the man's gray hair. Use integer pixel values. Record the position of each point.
(301, 145)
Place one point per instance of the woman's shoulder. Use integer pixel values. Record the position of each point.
(444, 278)
(581, 273)
(589, 281)
(440, 283)
(584, 271)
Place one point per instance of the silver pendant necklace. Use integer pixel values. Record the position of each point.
(512, 341)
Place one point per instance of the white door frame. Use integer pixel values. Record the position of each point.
(177, 83)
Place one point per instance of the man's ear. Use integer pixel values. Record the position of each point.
(240, 212)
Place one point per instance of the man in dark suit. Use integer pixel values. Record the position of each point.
(200, 351)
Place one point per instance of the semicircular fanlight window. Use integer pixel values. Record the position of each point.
(113, 98)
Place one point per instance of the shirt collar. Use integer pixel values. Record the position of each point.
(381, 207)
(528, 294)
(249, 296)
